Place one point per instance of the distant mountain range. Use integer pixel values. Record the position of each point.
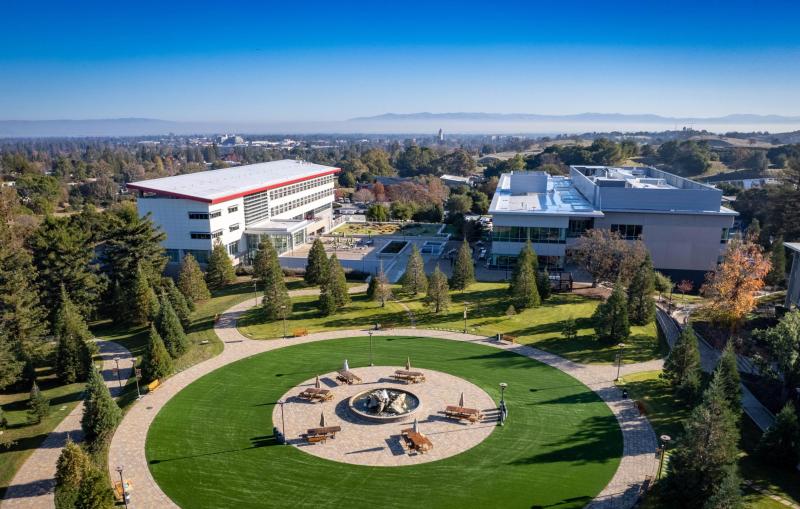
(405, 123)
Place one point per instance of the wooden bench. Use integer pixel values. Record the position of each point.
(314, 394)
(119, 492)
(416, 441)
(413, 377)
(316, 435)
(347, 377)
(155, 384)
(459, 413)
(300, 332)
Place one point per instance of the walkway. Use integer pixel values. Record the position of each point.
(32, 486)
(638, 462)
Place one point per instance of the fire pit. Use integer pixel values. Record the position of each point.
(385, 404)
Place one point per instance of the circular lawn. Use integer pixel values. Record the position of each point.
(212, 444)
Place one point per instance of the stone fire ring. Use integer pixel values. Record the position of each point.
(382, 418)
(371, 443)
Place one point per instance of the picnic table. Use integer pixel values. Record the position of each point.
(409, 376)
(314, 435)
(472, 415)
(314, 394)
(416, 441)
(347, 377)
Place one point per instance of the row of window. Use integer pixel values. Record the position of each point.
(537, 235)
(212, 214)
(201, 255)
(299, 202)
(300, 186)
(628, 231)
(256, 207)
(206, 235)
(578, 227)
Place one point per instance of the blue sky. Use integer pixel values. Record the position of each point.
(306, 61)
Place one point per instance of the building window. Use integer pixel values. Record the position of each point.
(200, 235)
(201, 255)
(537, 235)
(726, 233)
(174, 255)
(628, 231)
(578, 227)
(233, 248)
(285, 207)
(198, 215)
(233, 227)
(216, 234)
(215, 213)
(233, 208)
(256, 207)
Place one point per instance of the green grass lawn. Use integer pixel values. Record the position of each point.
(666, 415)
(488, 302)
(212, 444)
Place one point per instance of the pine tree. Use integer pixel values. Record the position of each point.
(219, 272)
(414, 280)
(611, 318)
(156, 361)
(277, 303)
(728, 372)
(11, 366)
(463, 269)
(74, 352)
(327, 301)
(73, 462)
(703, 466)
(523, 287)
(372, 287)
(777, 272)
(337, 282)
(94, 491)
(191, 282)
(438, 297)
(317, 265)
(260, 263)
(682, 368)
(780, 444)
(100, 412)
(382, 290)
(170, 330)
(38, 405)
(178, 302)
(641, 306)
(3, 420)
(543, 285)
(569, 329)
(143, 300)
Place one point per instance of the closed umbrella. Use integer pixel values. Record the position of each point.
(321, 419)
(346, 366)
(461, 400)
(408, 363)
(415, 427)
(316, 382)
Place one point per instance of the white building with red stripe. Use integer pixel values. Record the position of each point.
(287, 201)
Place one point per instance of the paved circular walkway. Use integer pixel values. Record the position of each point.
(368, 443)
(638, 460)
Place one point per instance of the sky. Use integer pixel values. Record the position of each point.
(330, 61)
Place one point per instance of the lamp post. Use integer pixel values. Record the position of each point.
(619, 359)
(122, 485)
(465, 317)
(119, 380)
(665, 439)
(283, 313)
(370, 348)
(503, 409)
(137, 374)
(255, 292)
(283, 421)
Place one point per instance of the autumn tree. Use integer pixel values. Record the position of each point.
(732, 288)
(606, 256)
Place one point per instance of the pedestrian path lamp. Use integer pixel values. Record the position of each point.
(119, 380)
(122, 487)
(283, 313)
(137, 372)
(503, 408)
(370, 348)
(465, 316)
(619, 359)
(283, 422)
(665, 439)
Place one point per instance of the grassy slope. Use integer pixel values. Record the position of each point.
(488, 303)
(211, 446)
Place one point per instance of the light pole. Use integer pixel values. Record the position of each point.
(283, 312)
(465, 317)
(255, 292)
(665, 439)
(137, 375)
(122, 486)
(283, 421)
(119, 380)
(370, 348)
(503, 409)
(619, 359)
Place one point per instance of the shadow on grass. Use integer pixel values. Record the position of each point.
(256, 443)
(597, 441)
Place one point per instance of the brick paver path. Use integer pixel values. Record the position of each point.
(638, 462)
(32, 486)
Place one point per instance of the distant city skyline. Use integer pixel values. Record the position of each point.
(309, 62)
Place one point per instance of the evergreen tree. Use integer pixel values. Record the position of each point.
(641, 306)
(191, 282)
(170, 330)
(260, 263)
(337, 282)
(38, 405)
(438, 297)
(703, 466)
(3, 420)
(220, 270)
(100, 412)
(144, 302)
(94, 491)
(317, 266)
(777, 272)
(728, 373)
(682, 368)
(178, 302)
(414, 280)
(463, 269)
(73, 462)
(327, 301)
(156, 361)
(611, 318)
(780, 444)
(275, 294)
(523, 287)
(570, 329)
(74, 352)
(382, 290)
(543, 285)
(11, 366)
(372, 287)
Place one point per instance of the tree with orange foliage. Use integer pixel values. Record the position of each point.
(732, 287)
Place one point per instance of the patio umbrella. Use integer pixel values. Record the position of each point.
(346, 366)
(461, 400)
(415, 427)
(408, 363)
(316, 382)
(321, 419)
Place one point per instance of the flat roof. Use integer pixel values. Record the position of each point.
(214, 186)
(794, 246)
(561, 198)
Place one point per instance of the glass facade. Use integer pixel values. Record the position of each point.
(537, 235)
(201, 255)
(174, 255)
(628, 231)
(550, 263)
(578, 227)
